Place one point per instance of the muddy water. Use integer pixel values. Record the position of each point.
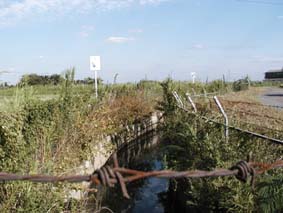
(146, 195)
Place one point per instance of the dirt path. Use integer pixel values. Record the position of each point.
(272, 96)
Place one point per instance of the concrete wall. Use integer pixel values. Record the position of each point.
(109, 144)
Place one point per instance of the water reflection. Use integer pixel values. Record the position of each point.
(146, 195)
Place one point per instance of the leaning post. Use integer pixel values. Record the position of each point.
(225, 117)
(178, 99)
(191, 102)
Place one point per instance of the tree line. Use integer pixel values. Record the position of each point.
(55, 79)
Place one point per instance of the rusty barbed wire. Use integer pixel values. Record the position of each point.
(108, 176)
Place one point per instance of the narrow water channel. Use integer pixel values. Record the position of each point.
(146, 195)
(154, 195)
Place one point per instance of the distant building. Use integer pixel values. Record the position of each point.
(274, 75)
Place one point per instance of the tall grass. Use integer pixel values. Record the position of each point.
(54, 136)
(193, 143)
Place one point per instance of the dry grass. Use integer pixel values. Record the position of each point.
(117, 113)
(110, 117)
(251, 95)
(245, 111)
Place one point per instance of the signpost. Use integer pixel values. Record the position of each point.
(193, 74)
(95, 66)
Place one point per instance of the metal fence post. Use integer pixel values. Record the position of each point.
(225, 117)
(178, 99)
(191, 102)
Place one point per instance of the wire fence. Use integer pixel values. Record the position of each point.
(110, 176)
(257, 135)
(263, 128)
(182, 106)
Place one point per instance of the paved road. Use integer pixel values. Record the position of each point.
(272, 96)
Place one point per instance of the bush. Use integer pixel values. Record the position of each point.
(195, 144)
(34, 79)
(242, 84)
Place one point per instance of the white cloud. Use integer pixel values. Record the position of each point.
(84, 34)
(143, 2)
(6, 71)
(119, 40)
(13, 11)
(136, 30)
(280, 17)
(86, 30)
(198, 46)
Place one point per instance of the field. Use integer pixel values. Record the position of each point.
(51, 129)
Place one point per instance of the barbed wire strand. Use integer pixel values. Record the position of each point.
(108, 176)
(274, 140)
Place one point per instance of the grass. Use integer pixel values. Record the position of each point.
(59, 125)
(196, 144)
(12, 98)
(244, 110)
(54, 128)
(251, 95)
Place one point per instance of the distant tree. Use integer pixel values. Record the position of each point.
(34, 79)
(89, 80)
(4, 85)
(55, 79)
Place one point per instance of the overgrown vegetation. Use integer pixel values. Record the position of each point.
(193, 143)
(54, 79)
(34, 79)
(242, 84)
(50, 129)
(54, 136)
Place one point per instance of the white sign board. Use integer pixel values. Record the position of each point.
(95, 63)
(193, 74)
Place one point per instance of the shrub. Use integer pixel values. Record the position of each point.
(242, 84)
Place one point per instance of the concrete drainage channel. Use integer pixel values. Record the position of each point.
(109, 144)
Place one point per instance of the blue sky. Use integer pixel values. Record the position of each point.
(142, 38)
